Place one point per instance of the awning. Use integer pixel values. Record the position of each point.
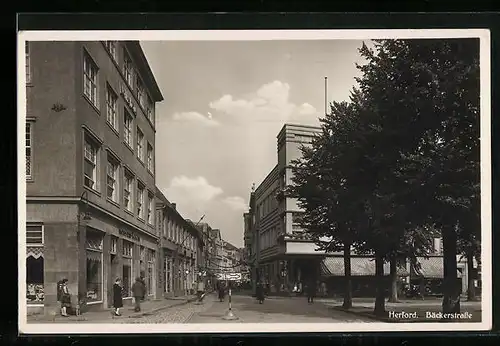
(34, 251)
(431, 268)
(360, 266)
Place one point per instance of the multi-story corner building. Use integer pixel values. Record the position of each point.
(90, 172)
(180, 248)
(284, 253)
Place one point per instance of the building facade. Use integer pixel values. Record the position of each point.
(181, 244)
(90, 173)
(285, 254)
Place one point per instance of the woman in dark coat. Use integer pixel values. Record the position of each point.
(117, 296)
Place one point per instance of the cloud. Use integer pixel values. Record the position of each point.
(307, 109)
(196, 118)
(269, 103)
(235, 203)
(192, 190)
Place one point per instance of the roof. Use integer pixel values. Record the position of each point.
(360, 266)
(142, 64)
(230, 246)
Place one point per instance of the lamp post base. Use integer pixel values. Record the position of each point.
(229, 316)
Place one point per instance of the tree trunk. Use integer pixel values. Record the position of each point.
(471, 290)
(394, 280)
(379, 309)
(451, 302)
(348, 279)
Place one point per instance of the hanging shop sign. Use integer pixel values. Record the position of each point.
(129, 235)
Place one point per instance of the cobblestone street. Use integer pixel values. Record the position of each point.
(274, 310)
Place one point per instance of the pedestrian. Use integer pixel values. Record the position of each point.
(117, 296)
(221, 290)
(259, 293)
(311, 291)
(200, 290)
(143, 282)
(65, 297)
(138, 291)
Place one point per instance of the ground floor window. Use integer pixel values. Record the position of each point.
(151, 271)
(94, 266)
(127, 277)
(34, 275)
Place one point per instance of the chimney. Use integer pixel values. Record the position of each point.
(174, 205)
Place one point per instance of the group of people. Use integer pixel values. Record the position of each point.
(138, 293)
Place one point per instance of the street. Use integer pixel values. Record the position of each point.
(248, 310)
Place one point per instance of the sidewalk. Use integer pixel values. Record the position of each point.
(148, 307)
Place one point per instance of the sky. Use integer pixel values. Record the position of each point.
(224, 104)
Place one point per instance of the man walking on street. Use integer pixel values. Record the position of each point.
(311, 291)
(201, 290)
(138, 291)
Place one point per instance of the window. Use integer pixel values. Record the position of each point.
(127, 121)
(128, 248)
(34, 264)
(114, 245)
(151, 270)
(150, 209)
(149, 110)
(127, 69)
(127, 190)
(150, 158)
(140, 92)
(28, 62)
(34, 235)
(90, 164)
(140, 200)
(29, 152)
(111, 47)
(140, 144)
(112, 180)
(111, 108)
(90, 79)
(94, 265)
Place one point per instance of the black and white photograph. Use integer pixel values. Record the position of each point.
(254, 181)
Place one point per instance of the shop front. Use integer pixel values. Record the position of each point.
(91, 257)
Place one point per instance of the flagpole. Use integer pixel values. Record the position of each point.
(326, 95)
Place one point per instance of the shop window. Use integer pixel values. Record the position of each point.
(150, 276)
(127, 268)
(94, 266)
(34, 264)
(127, 277)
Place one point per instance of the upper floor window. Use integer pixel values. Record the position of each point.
(128, 128)
(28, 62)
(111, 108)
(140, 92)
(140, 200)
(150, 158)
(112, 179)
(29, 150)
(150, 209)
(111, 47)
(128, 69)
(150, 110)
(127, 190)
(91, 150)
(140, 145)
(90, 79)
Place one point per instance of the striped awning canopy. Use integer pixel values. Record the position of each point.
(34, 251)
(360, 266)
(431, 268)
